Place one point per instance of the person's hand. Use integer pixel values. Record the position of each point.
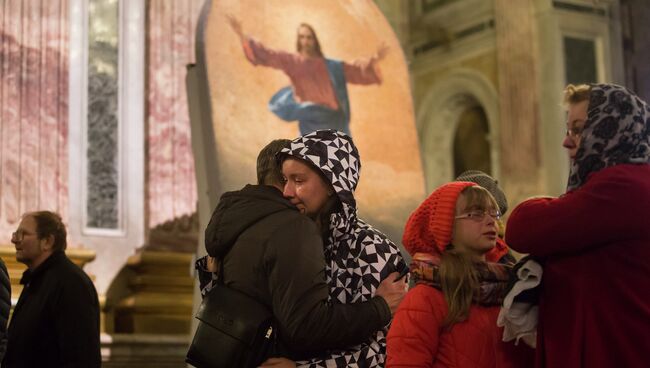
(392, 291)
(382, 51)
(279, 363)
(211, 264)
(235, 24)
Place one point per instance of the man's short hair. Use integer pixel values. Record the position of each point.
(50, 223)
(268, 167)
(574, 94)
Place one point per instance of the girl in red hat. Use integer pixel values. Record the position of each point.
(449, 318)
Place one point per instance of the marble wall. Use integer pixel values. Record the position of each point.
(171, 183)
(33, 109)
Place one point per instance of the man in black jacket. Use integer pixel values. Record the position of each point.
(275, 254)
(56, 320)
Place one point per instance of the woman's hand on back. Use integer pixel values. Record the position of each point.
(392, 290)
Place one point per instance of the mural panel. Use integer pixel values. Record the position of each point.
(277, 69)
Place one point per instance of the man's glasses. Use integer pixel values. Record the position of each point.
(19, 235)
(479, 216)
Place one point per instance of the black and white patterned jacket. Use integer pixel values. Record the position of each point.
(358, 257)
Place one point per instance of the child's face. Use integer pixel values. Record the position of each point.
(475, 228)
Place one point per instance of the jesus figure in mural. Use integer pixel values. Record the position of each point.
(318, 95)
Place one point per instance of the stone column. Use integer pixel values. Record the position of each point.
(171, 183)
(517, 61)
(634, 16)
(34, 57)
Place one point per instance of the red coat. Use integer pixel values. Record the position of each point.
(595, 247)
(416, 339)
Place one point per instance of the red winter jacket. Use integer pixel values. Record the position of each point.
(595, 246)
(416, 338)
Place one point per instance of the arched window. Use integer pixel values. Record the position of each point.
(471, 145)
(106, 119)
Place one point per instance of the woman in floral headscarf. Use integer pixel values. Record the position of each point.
(594, 240)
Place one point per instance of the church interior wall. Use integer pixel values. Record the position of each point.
(636, 53)
(453, 57)
(450, 46)
(484, 64)
(582, 20)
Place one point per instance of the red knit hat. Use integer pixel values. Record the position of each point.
(430, 226)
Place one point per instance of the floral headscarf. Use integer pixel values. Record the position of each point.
(617, 131)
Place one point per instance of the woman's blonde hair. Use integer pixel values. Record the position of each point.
(458, 277)
(574, 94)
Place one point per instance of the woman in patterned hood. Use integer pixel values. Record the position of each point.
(357, 256)
(594, 241)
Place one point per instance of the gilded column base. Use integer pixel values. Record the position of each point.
(160, 301)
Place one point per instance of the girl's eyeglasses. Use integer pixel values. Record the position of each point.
(479, 216)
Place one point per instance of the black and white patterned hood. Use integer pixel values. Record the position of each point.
(336, 156)
(617, 131)
(358, 257)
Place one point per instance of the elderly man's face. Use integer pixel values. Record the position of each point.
(576, 118)
(30, 250)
